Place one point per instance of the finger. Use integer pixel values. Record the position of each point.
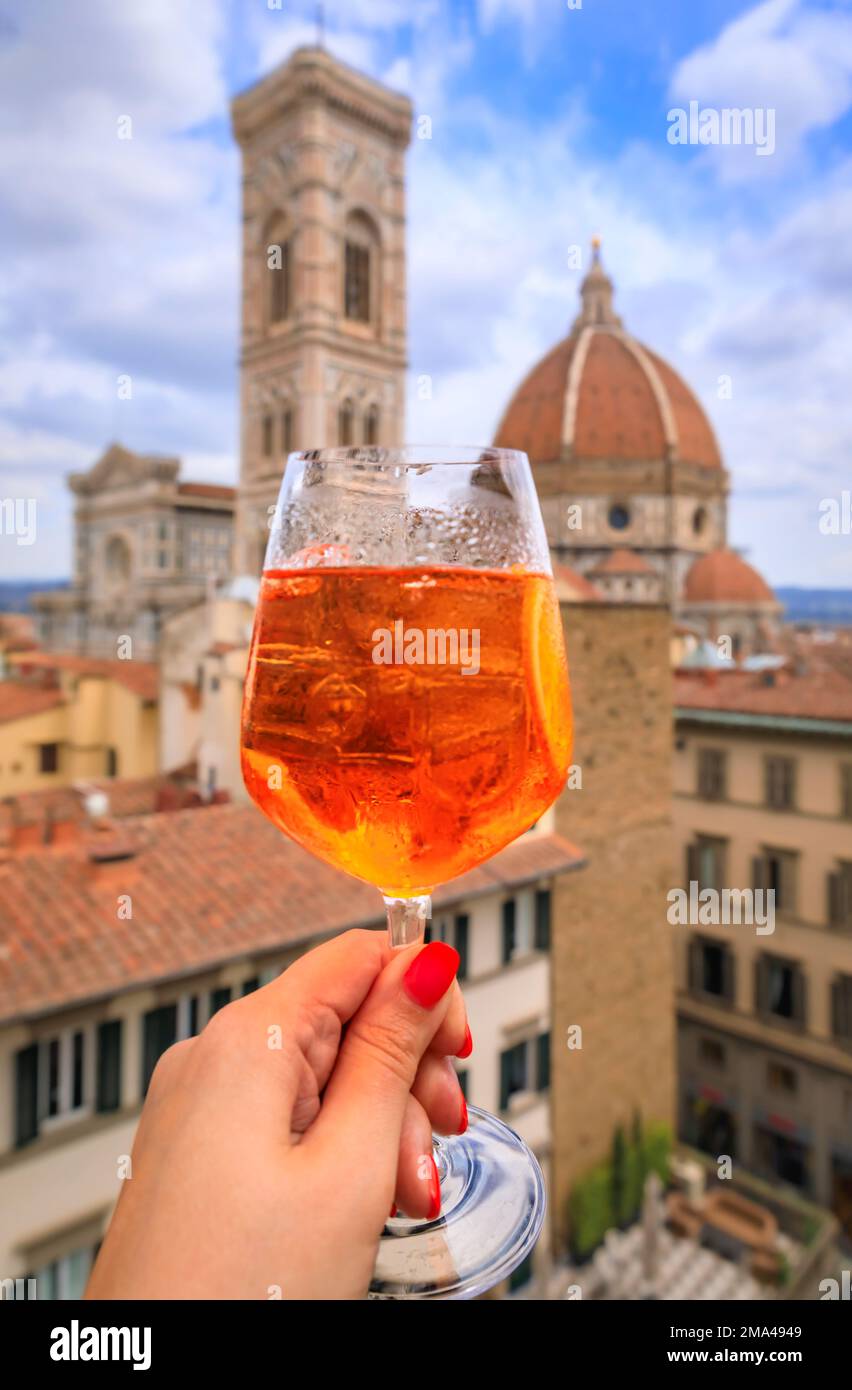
(366, 1097)
(439, 1092)
(418, 1190)
(336, 976)
(453, 1037)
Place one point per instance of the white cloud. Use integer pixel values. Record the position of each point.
(779, 55)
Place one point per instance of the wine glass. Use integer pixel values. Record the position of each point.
(407, 715)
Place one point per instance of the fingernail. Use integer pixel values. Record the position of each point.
(431, 973)
(467, 1046)
(463, 1123)
(434, 1181)
(392, 1212)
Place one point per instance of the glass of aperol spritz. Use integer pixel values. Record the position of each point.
(407, 715)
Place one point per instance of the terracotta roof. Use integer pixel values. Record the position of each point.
(19, 700)
(622, 562)
(140, 677)
(207, 886)
(722, 576)
(572, 587)
(128, 796)
(819, 693)
(618, 413)
(212, 490)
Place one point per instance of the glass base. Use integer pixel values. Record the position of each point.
(492, 1209)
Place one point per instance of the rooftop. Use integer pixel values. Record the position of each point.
(142, 678)
(207, 886)
(819, 692)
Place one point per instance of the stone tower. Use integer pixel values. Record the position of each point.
(323, 307)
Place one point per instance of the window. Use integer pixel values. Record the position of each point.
(267, 436)
(287, 435)
(346, 423)
(542, 919)
(219, 998)
(711, 969)
(525, 1068)
(250, 985)
(513, 1072)
(357, 286)
(706, 862)
(162, 560)
(162, 531)
(65, 1279)
(840, 898)
(781, 1157)
(48, 757)
(26, 1095)
(542, 1077)
(278, 259)
(508, 926)
(112, 762)
(841, 1008)
(781, 1078)
(780, 989)
(619, 517)
(699, 520)
(371, 425)
(711, 1051)
(108, 1074)
(50, 1082)
(780, 783)
(159, 1032)
(776, 869)
(846, 791)
(712, 770)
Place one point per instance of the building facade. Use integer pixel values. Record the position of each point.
(80, 1033)
(145, 546)
(66, 718)
(763, 800)
(324, 310)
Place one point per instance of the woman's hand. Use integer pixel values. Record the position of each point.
(272, 1146)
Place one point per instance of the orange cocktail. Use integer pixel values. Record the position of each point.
(404, 724)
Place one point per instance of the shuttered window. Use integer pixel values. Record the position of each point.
(108, 1082)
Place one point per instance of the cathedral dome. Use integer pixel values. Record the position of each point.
(722, 576)
(599, 394)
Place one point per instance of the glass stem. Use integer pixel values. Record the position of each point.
(407, 918)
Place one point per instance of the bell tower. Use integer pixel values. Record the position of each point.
(323, 300)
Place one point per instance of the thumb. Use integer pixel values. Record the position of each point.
(365, 1100)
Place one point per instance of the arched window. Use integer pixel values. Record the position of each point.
(360, 268)
(346, 423)
(267, 436)
(287, 431)
(371, 425)
(278, 270)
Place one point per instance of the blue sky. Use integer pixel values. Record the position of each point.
(548, 124)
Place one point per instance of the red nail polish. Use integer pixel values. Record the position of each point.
(463, 1122)
(392, 1211)
(467, 1046)
(431, 973)
(434, 1182)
